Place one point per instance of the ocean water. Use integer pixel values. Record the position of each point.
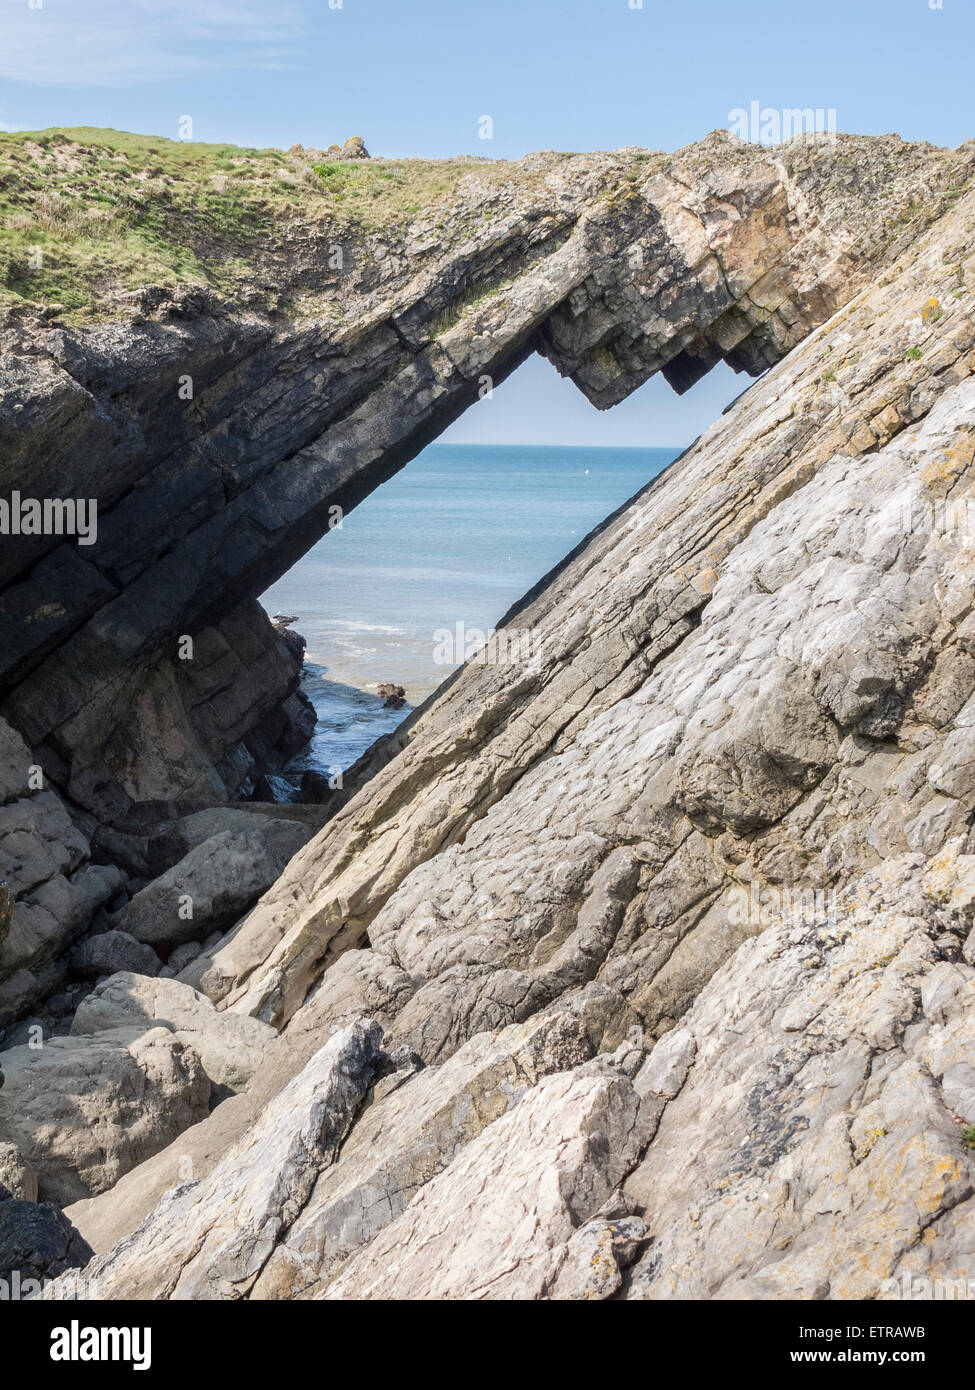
(458, 536)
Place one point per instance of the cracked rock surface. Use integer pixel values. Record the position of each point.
(643, 967)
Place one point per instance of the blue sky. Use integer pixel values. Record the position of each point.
(414, 77)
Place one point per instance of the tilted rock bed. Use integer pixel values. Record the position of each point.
(642, 968)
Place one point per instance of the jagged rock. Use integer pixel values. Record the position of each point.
(665, 1070)
(84, 1110)
(37, 1243)
(360, 985)
(596, 1256)
(968, 950)
(568, 1142)
(37, 841)
(497, 1222)
(408, 1136)
(720, 809)
(15, 763)
(49, 892)
(615, 266)
(55, 891)
(814, 1149)
(210, 1238)
(230, 1046)
(213, 885)
(17, 1178)
(355, 148)
(723, 704)
(111, 952)
(393, 695)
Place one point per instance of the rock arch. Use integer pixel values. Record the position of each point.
(613, 267)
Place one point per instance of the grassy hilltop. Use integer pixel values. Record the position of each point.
(110, 211)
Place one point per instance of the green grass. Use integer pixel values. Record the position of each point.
(968, 1135)
(470, 299)
(104, 209)
(914, 354)
(392, 193)
(87, 213)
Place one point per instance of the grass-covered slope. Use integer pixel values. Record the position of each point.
(85, 213)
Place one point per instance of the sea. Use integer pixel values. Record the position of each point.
(457, 536)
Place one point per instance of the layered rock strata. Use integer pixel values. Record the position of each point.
(640, 965)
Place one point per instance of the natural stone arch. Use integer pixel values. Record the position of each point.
(723, 251)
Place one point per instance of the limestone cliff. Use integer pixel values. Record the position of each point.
(641, 965)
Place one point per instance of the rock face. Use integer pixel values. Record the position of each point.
(757, 674)
(816, 1147)
(639, 965)
(613, 266)
(50, 889)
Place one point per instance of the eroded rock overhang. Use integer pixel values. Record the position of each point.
(724, 251)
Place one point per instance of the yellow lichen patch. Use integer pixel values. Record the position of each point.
(869, 1139)
(705, 580)
(940, 872)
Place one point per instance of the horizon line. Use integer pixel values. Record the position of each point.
(508, 444)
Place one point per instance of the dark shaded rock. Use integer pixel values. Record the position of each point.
(181, 957)
(190, 830)
(6, 909)
(394, 696)
(111, 952)
(29, 1029)
(39, 1241)
(214, 884)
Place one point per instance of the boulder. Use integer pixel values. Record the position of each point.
(230, 1046)
(175, 840)
(179, 959)
(84, 1110)
(111, 952)
(37, 1243)
(43, 924)
(17, 1179)
(213, 885)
